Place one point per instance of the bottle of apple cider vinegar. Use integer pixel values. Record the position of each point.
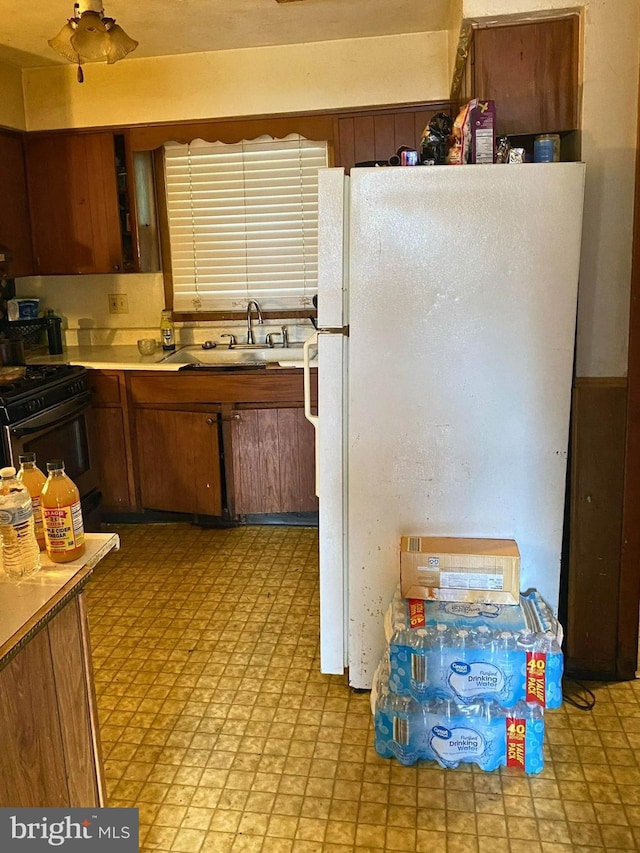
(62, 515)
(33, 478)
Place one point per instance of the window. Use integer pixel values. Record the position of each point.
(243, 222)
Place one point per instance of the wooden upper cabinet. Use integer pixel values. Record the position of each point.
(15, 227)
(74, 203)
(531, 72)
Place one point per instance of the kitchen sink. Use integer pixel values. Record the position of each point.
(240, 355)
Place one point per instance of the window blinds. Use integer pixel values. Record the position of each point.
(243, 222)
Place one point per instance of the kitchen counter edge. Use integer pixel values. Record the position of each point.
(27, 605)
(124, 357)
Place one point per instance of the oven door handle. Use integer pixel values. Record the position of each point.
(54, 416)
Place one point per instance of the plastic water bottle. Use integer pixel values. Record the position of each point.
(484, 640)
(20, 551)
(421, 643)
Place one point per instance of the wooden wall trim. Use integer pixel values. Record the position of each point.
(596, 493)
(630, 547)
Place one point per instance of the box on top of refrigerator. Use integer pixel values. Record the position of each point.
(458, 569)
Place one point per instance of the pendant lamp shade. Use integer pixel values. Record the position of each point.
(91, 37)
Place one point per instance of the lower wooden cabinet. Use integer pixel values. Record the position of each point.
(178, 456)
(225, 445)
(50, 745)
(273, 461)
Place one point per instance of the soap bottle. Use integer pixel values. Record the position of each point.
(167, 331)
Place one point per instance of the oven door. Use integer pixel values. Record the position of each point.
(60, 432)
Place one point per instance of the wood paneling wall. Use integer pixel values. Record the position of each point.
(597, 465)
(630, 563)
(377, 136)
(373, 133)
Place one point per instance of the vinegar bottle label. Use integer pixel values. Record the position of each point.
(63, 527)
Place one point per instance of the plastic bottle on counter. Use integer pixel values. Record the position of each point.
(62, 515)
(20, 552)
(54, 333)
(33, 478)
(167, 331)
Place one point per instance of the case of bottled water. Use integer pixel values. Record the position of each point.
(464, 652)
(449, 732)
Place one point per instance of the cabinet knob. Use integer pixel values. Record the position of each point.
(236, 416)
(210, 421)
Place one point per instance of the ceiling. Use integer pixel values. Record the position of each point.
(167, 27)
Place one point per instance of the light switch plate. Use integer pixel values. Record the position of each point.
(118, 303)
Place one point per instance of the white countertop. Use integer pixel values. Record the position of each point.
(127, 357)
(108, 357)
(24, 603)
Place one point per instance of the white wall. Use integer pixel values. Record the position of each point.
(11, 103)
(255, 81)
(610, 70)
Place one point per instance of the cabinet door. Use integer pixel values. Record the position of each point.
(531, 72)
(273, 461)
(110, 440)
(74, 203)
(179, 461)
(108, 443)
(15, 228)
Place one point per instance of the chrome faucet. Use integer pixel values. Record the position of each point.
(250, 337)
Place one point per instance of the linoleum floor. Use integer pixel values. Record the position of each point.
(218, 726)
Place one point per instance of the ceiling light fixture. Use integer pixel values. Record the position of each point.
(90, 36)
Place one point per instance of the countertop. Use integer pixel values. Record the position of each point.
(114, 357)
(126, 357)
(26, 604)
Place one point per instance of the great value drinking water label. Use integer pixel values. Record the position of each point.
(480, 678)
(456, 744)
(16, 515)
(416, 613)
(516, 742)
(536, 678)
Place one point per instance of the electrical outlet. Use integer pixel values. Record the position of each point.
(118, 303)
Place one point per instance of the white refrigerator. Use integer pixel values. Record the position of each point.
(446, 321)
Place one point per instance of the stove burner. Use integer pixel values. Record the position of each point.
(43, 386)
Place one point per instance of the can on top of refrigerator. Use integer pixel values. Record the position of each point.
(546, 148)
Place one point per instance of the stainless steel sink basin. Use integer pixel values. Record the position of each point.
(222, 355)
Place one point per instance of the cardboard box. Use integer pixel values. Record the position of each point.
(482, 129)
(451, 569)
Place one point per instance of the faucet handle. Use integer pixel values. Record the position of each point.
(270, 336)
(285, 336)
(232, 340)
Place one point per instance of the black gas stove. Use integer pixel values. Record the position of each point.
(43, 386)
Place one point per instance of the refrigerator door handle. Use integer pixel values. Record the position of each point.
(309, 344)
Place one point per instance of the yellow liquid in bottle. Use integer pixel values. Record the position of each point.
(63, 527)
(34, 480)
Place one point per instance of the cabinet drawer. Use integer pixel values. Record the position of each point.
(105, 388)
(186, 389)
